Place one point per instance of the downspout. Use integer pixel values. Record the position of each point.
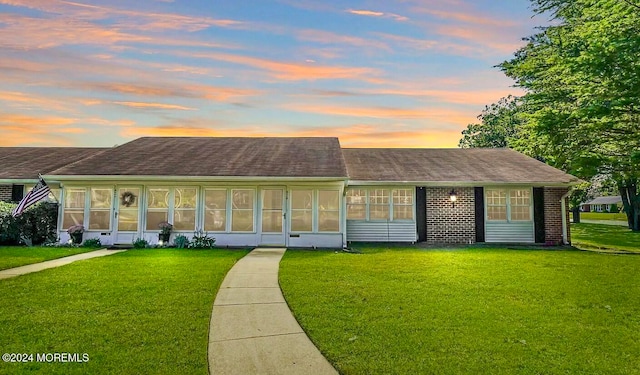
(563, 210)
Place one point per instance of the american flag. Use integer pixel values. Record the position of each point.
(39, 192)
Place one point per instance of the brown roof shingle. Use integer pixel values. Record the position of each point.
(24, 163)
(218, 157)
(475, 165)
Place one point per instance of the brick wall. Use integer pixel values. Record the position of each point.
(447, 224)
(5, 193)
(553, 215)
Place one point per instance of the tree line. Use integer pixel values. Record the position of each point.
(580, 111)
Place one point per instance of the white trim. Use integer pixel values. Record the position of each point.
(460, 183)
(563, 208)
(245, 179)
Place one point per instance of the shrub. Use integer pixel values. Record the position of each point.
(614, 209)
(201, 240)
(37, 224)
(140, 243)
(93, 242)
(181, 241)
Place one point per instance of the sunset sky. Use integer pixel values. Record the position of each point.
(410, 73)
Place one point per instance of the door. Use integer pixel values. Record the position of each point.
(273, 217)
(127, 215)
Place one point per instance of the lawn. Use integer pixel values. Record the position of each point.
(15, 256)
(137, 312)
(602, 236)
(468, 311)
(620, 216)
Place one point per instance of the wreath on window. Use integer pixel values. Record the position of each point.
(127, 199)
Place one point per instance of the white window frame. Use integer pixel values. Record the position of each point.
(508, 204)
(170, 206)
(254, 209)
(316, 209)
(227, 208)
(314, 205)
(391, 190)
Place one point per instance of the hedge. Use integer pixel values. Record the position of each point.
(37, 223)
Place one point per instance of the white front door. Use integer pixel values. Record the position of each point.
(127, 215)
(272, 223)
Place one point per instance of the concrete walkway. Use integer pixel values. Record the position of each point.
(35, 267)
(252, 330)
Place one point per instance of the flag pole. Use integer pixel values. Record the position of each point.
(40, 178)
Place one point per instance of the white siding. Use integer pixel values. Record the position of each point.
(509, 232)
(381, 231)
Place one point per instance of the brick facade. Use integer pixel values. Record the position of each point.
(447, 224)
(5, 193)
(553, 216)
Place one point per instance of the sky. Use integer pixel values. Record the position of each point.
(405, 73)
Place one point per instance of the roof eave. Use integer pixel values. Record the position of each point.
(461, 183)
(188, 178)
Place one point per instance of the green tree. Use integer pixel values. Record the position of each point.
(582, 82)
(498, 127)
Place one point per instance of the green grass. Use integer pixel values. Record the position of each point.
(602, 236)
(16, 256)
(621, 216)
(474, 311)
(137, 312)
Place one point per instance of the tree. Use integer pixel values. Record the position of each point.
(498, 126)
(582, 82)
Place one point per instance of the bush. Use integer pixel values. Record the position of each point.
(37, 224)
(201, 240)
(614, 209)
(93, 242)
(140, 243)
(181, 241)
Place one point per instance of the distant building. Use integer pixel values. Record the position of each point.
(602, 204)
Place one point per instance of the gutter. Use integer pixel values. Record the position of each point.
(563, 208)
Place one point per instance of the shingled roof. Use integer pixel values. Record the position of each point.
(475, 165)
(217, 157)
(24, 163)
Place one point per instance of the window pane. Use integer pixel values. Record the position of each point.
(301, 199)
(158, 198)
(356, 196)
(379, 212)
(402, 212)
(496, 213)
(242, 221)
(403, 196)
(272, 221)
(101, 198)
(242, 199)
(156, 217)
(128, 219)
(215, 218)
(328, 200)
(184, 219)
(379, 196)
(99, 220)
(301, 220)
(185, 198)
(74, 198)
(356, 211)
(329, 221)
(72, 217)
(520, 213)
(272, 199)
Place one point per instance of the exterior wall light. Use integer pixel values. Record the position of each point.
(453, 196)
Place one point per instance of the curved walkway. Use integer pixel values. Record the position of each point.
(252, 330)
(35, 267)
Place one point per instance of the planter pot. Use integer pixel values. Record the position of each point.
(164, 237)
(76, 238)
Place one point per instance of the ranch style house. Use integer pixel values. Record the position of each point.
(295, 192)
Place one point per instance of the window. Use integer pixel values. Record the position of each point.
(328, 211)
(520, 205)
(157, 207)
(100, 209)
(242, 210)
(496, 204)
(272, 211)
(508, 205)
(403, 204)
(356, 204)
(301, 211)
(379, 204)
(215, 210)
(74, 202)
(184, 208)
